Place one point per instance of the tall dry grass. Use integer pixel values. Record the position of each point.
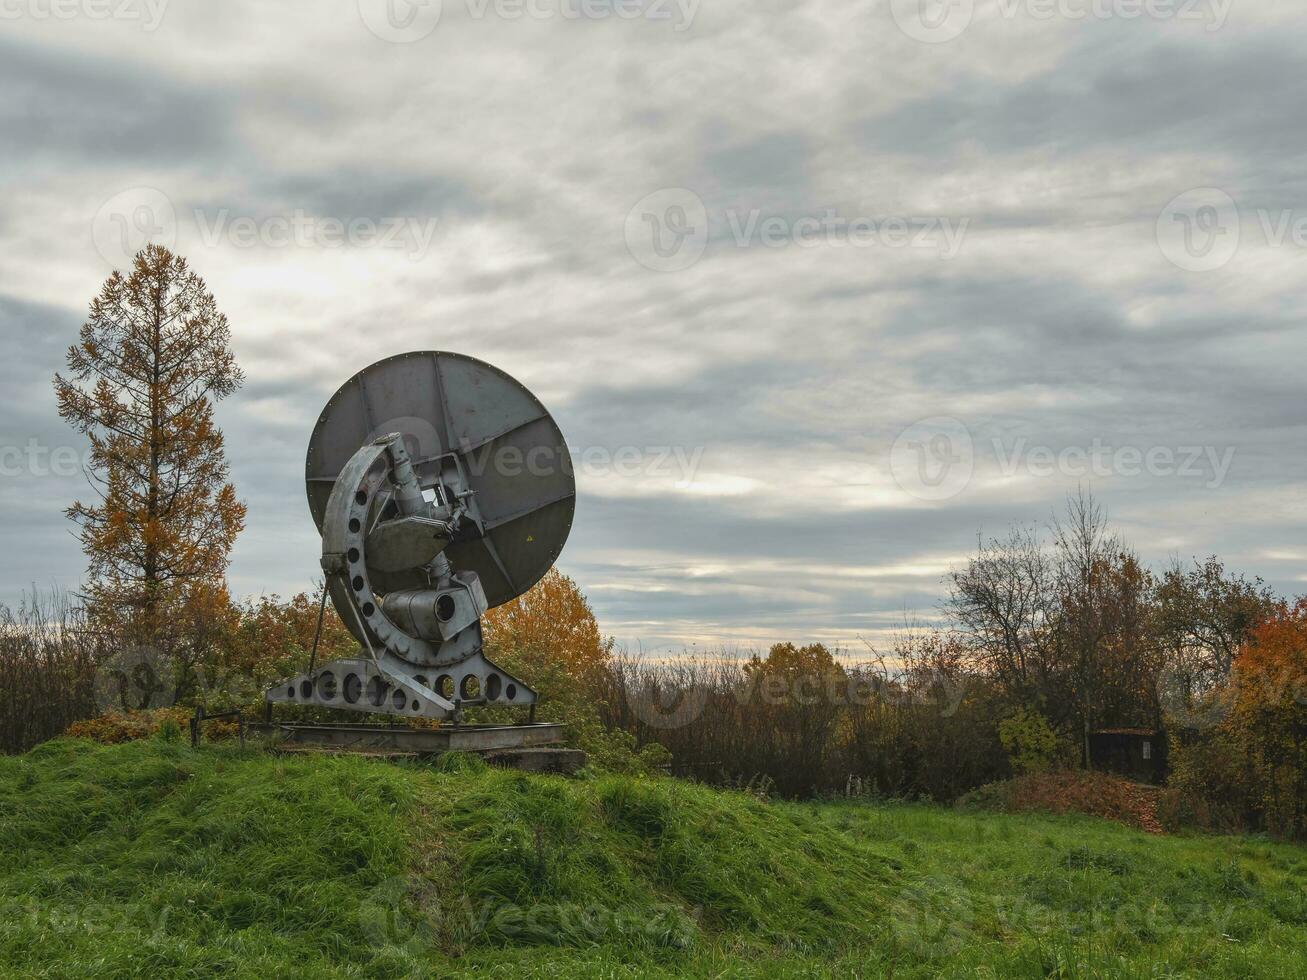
(862, 730)
(48, 660)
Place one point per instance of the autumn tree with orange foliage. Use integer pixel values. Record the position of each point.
(550, 638)
(152, 358)
(1269, 716)
(551, 622)
(275, 637)
(812, 663)
(1239, 761)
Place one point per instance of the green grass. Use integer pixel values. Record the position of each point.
(150, 859)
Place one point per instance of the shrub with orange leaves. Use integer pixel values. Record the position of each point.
(551, 623)
(273, 636)
(1098, 794)
(126, 726)
(1247, 769)
(1269, 716)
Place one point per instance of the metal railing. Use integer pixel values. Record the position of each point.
(200, 718)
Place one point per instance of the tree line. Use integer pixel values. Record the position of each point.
(1045, 635)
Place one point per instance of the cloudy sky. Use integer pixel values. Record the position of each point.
(817, 291)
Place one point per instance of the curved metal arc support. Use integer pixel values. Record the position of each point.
(344, 555)
(402, 674)
(417, 616)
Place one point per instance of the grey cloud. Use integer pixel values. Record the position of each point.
(1141, 95)
(773, 160)
(375, 192)
(34, 486)
(766, 359)
(60, 108)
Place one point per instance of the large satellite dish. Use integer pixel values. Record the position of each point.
(512, 454)
(441, 488)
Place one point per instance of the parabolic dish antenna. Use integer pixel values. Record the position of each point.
(510, 451)
(441, 488)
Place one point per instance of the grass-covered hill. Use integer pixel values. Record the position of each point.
(151, 859)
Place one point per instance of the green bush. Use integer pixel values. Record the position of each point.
(1030, 741)
(1211, 782)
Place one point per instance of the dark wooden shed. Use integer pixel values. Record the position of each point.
(1139, 753)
